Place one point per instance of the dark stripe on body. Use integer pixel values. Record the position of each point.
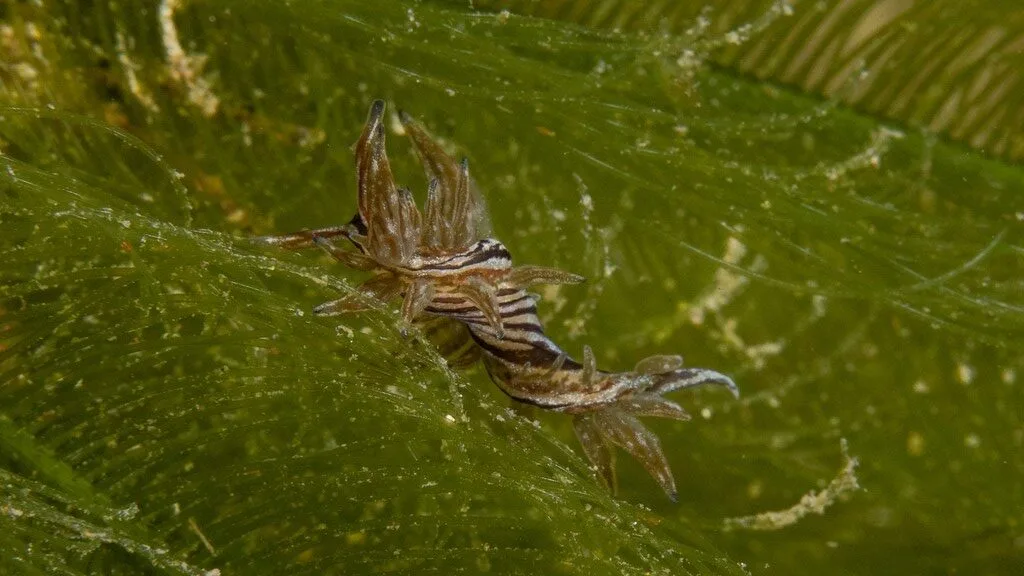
(460, 262)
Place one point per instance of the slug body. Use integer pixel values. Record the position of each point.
(444, 270)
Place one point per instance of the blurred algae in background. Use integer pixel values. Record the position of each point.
(823, 200)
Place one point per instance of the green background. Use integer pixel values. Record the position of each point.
(790, 195)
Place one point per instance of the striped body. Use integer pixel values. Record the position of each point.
(529, 367)
(524, 363)
(520, 361)
(487, 258)
(466, 295)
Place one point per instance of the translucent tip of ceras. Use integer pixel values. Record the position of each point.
(723, 380)
(376, 111)
(325, 309)
(322, 243)
(712, 377)
(266, 240)
(404, 117)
